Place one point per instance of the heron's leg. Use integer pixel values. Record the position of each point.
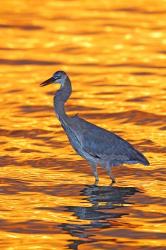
(108, 169)
(94, 169)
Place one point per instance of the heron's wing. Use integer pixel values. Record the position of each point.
(102, 143)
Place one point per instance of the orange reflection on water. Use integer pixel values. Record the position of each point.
(115, 55)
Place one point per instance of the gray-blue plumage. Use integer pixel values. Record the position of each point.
(97, 145)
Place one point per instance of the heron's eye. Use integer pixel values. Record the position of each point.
(57, 76)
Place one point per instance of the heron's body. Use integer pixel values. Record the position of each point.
(97, 145)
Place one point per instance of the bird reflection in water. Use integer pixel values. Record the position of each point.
(105, 201)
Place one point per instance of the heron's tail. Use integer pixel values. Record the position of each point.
(145, 162)
(142, 159)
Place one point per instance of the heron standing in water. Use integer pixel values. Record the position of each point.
(97, 145)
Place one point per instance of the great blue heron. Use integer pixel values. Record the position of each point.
(97, 145)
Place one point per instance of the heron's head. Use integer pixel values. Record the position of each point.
(58, 77)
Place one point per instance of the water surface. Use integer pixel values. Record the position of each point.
(114, 52)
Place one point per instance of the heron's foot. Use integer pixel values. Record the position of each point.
(112, 181)
(96, 182)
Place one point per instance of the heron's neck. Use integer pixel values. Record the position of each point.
(61, 96)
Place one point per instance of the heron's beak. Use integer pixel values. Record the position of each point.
(48, 81)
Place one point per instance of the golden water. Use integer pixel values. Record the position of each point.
(115, 54)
